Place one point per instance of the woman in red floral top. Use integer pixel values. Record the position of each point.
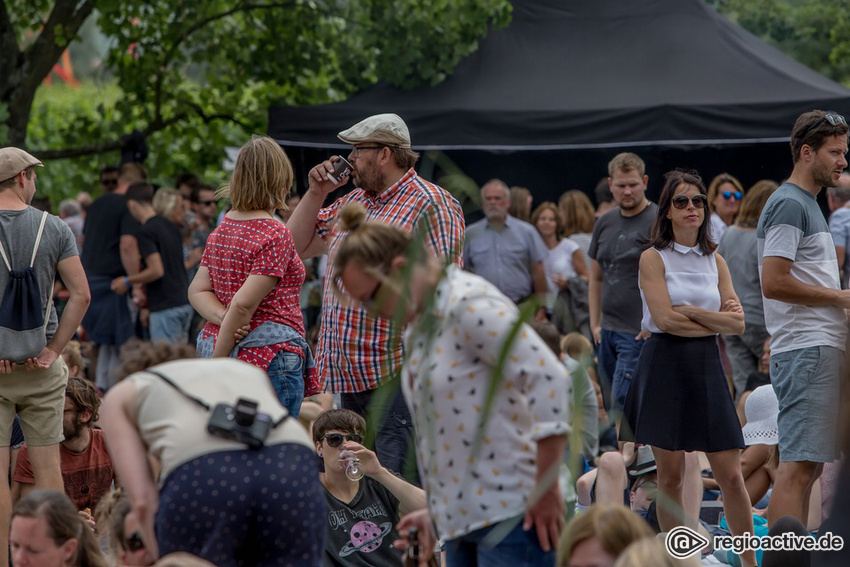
(251, 275)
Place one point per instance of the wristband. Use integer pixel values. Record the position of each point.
(126, 282)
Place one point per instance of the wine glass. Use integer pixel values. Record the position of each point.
(353, 472)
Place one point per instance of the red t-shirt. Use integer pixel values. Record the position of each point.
(87, 475)
(238, 249)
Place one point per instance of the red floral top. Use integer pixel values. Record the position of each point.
(237, 249)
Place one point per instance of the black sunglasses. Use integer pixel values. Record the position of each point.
(133, 542)
(110, 182)
(832, 117)
(206, 203)
(335, 439)
(680, 201)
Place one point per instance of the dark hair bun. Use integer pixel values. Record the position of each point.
(352, 216)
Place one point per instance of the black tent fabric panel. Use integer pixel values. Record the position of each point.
(579, 74)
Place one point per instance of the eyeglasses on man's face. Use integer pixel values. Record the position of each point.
(109, 182)
(681, 201)
(355, 151)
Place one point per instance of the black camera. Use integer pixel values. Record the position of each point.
(241, 423)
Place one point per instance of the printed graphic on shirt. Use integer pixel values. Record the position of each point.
(366, 528)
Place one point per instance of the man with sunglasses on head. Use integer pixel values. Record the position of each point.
(357, 351)
(804, 310)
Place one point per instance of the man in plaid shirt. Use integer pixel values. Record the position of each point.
(358, 351)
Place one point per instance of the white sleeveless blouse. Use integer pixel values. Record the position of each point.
(691, 279)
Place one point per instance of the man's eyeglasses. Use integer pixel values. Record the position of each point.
(355, 151)
(335, 439)
(681, 202)
(729, 194)
(133, 542)
(206, 203)
(832, 117)
(109, 182)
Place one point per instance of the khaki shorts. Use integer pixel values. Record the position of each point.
(38, 397)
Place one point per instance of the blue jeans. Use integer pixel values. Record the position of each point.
(618, 355)
(519, 548)
(171, 324)
(287, 377)
(395, 428)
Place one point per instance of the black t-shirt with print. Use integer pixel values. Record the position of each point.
(361, 532)
(159, 235)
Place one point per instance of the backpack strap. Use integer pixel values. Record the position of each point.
(5, 258)
(38, 238)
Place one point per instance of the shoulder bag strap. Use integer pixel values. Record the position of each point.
(38, 238)
(5, 258)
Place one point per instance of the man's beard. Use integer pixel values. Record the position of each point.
(495, 215)
(372, 179)
(74, 430)
(822, 176)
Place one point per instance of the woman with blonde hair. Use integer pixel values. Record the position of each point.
(47, 531)
(457, 324)
(251, 274)
(520, 207)
(579, 218)
(724, 197)
(649, 551)
(740, 249)
(598, 536)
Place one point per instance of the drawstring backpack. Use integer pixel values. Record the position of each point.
(22, 322)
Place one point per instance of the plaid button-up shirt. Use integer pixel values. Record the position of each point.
(356, 351)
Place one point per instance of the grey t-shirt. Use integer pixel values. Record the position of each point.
(18, 230)
(739, 247)
(617, 244)
(792, 227)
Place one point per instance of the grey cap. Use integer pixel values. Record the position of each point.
(15, 160)
(388, 129)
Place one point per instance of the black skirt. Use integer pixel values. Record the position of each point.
(679, 400)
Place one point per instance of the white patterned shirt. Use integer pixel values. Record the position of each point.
(446, 379)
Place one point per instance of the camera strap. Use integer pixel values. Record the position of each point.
(199, 401)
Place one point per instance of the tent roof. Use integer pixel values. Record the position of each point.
(575, 74)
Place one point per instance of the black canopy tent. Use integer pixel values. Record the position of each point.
(548, 100)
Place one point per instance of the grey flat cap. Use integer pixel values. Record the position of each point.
(388, 129)
(13, 161)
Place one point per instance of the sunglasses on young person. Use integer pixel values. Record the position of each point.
(681, 202)
(206, 203)
(109, 182)
(335, 439)
(134, 542)
(732, 194)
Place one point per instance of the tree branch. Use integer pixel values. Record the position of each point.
(197, 26)
(46, 49)
(8, 43)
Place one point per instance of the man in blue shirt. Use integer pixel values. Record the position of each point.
(504, 250)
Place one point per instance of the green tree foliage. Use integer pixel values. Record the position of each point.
(814, 32)
(196, 76)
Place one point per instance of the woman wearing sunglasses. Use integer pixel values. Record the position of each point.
(361, 523)
(724, 197)
(678, 400)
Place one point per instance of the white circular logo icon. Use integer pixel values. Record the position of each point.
(683, 542)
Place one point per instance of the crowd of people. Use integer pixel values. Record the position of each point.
(244, 376)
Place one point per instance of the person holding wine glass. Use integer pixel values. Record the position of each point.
(365, 499)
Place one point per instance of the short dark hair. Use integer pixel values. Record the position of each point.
(187, 178)
(83, 394)
(805, 133)
(108, 169)
(340, 420)
(548, 333)
(662, 231)
(195, 196)
(140, 192)
(602, 192)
